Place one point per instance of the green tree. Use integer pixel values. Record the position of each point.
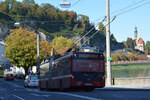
(21, 48)
(147, 48)
(147, 45)
(28, 1)
(102, 28)
(130, 44)
(4, 7)
(114, 57)
(61, 44)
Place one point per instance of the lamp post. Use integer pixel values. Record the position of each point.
(38, 52)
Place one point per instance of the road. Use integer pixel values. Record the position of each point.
(14, 90)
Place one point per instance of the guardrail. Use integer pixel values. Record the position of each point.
(131, 62)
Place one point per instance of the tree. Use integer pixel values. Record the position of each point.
(4, 7)
(61, 44)
(147, 48)
(21, 48)
(102, 28)
(130, 44)
(114, 57)
(29, 2)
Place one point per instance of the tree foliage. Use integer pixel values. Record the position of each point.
(130, 44)
(102, 28)
(61, 44)
(46, 17)
(147, 48)
(52, 21)
(21, 48)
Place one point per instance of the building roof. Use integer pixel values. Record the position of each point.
(140, 41)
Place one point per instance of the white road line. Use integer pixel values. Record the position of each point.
(40, 95)
(18, 97)
(36, 95)
(46, 95)
(1, 98)
(79, 96)
(67, 94)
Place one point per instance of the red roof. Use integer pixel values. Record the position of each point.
(140, 41)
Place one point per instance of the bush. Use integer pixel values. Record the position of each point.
(1, 73)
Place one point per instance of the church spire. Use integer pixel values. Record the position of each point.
(135, 33)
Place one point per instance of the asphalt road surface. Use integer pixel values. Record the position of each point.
(14, 90)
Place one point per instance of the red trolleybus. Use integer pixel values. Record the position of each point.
(75, 70)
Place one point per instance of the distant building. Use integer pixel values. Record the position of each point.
(139, 43)
(5, 62)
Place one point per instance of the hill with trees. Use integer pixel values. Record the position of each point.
(53, 22)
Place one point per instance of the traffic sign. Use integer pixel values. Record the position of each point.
(109, 59)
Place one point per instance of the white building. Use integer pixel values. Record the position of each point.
(3, 60)
(139, 42)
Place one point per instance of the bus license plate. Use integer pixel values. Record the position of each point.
(88, 84)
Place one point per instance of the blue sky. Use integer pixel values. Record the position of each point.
(124, 25)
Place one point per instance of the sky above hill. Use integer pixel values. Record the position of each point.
(124, 24)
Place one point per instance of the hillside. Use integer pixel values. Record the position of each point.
(51, 21)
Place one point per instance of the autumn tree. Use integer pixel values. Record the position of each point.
(21, 48)
(61, 44)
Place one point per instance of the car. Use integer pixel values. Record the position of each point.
(31, 81)
(9, 77)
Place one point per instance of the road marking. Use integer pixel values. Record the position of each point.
(68, 94)
(46, 95)
(36, 95)
(40, 95)
(79, 96)
(18, 97)
(1, 98)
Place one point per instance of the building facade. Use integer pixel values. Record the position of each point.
(139, 43)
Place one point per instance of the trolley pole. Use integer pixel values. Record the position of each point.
(108, 80)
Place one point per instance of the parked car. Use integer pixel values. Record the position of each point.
(9, 77)
(31, 81)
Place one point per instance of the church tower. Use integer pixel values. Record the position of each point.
(136, 35)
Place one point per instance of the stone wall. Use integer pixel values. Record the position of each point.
(140, 81)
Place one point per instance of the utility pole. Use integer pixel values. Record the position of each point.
(108, 80)
(38, 53)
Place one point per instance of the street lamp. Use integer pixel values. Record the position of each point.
(65, 4)
(38, 52)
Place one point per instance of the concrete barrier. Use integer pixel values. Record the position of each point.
(139, 81)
